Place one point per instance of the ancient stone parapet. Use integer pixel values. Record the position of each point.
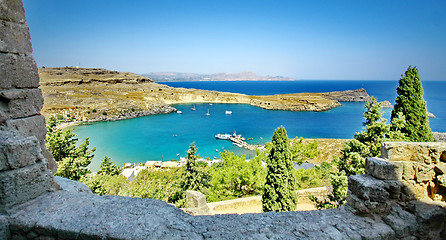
(196, 203)
(23, 170)
(423, 168)
(369, 195)
(421, 152)
(407, 190)
(20, 97)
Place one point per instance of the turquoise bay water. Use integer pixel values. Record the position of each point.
(167, 137)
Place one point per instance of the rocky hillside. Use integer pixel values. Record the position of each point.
(81, 94)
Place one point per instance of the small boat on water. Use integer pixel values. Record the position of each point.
(228, 112)
(179, 112)
(223, 136)
(207, 114)
(193, 108)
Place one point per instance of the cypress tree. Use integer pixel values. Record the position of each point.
(193, 178)
(279, 193)
(411, 104)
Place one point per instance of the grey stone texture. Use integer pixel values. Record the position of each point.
(17, 151)
(196, 203)
(30, 126)
(12, 11)
(14, 38)
(72, 186)
(385, 170)
(18, 71)
(21, 185)
(20, 103)
(66, 215)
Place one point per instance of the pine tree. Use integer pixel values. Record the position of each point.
(108, 167)
(279, 193)
(411, 104)
(193, 177)
(375, 128)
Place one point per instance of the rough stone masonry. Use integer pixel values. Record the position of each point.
(402, 197)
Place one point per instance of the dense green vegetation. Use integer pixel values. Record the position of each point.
(411, 105)
(72, 160)
(233, 177)
(279, 191)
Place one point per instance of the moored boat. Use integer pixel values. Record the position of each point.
(223, 136)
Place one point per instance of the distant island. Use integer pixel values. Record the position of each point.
(184, 77)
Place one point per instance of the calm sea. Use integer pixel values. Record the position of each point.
(167, 137)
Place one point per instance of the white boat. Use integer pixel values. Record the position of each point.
(193, 108)
(207, 114)
(228, 112)
(223, 136)
(179, 112)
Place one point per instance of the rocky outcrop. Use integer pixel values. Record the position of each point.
(358, 95)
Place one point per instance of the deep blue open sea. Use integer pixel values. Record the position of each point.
(166, 137)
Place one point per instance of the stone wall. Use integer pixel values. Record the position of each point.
(24, 173)
(408, 182)
(386, 204)
(20, 97)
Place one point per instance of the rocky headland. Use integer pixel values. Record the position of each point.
(85, 95)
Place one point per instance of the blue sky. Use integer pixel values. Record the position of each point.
(344, 40)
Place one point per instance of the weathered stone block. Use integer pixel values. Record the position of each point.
(20, 103)
(195, 199)
(422, 152)
(18, 71)
(367, 206)
(403, 223)
(432, 219)
(196, 203)
(368, 188)
(12, 10)
(17, 151)
(412, 190)
(409, 170)
(71, 186)
(425, 173)
(30, 126)
(15, 38)
(21, 185)
(382, 169)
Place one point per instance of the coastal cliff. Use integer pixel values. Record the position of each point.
(85, 95)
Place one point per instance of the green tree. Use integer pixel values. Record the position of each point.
(397, 124)
(411, 104)
(301, 151)
(235, 177)
(108, 167)
(72, 160)
(279, 192)
(375, 128)
(193, 177)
